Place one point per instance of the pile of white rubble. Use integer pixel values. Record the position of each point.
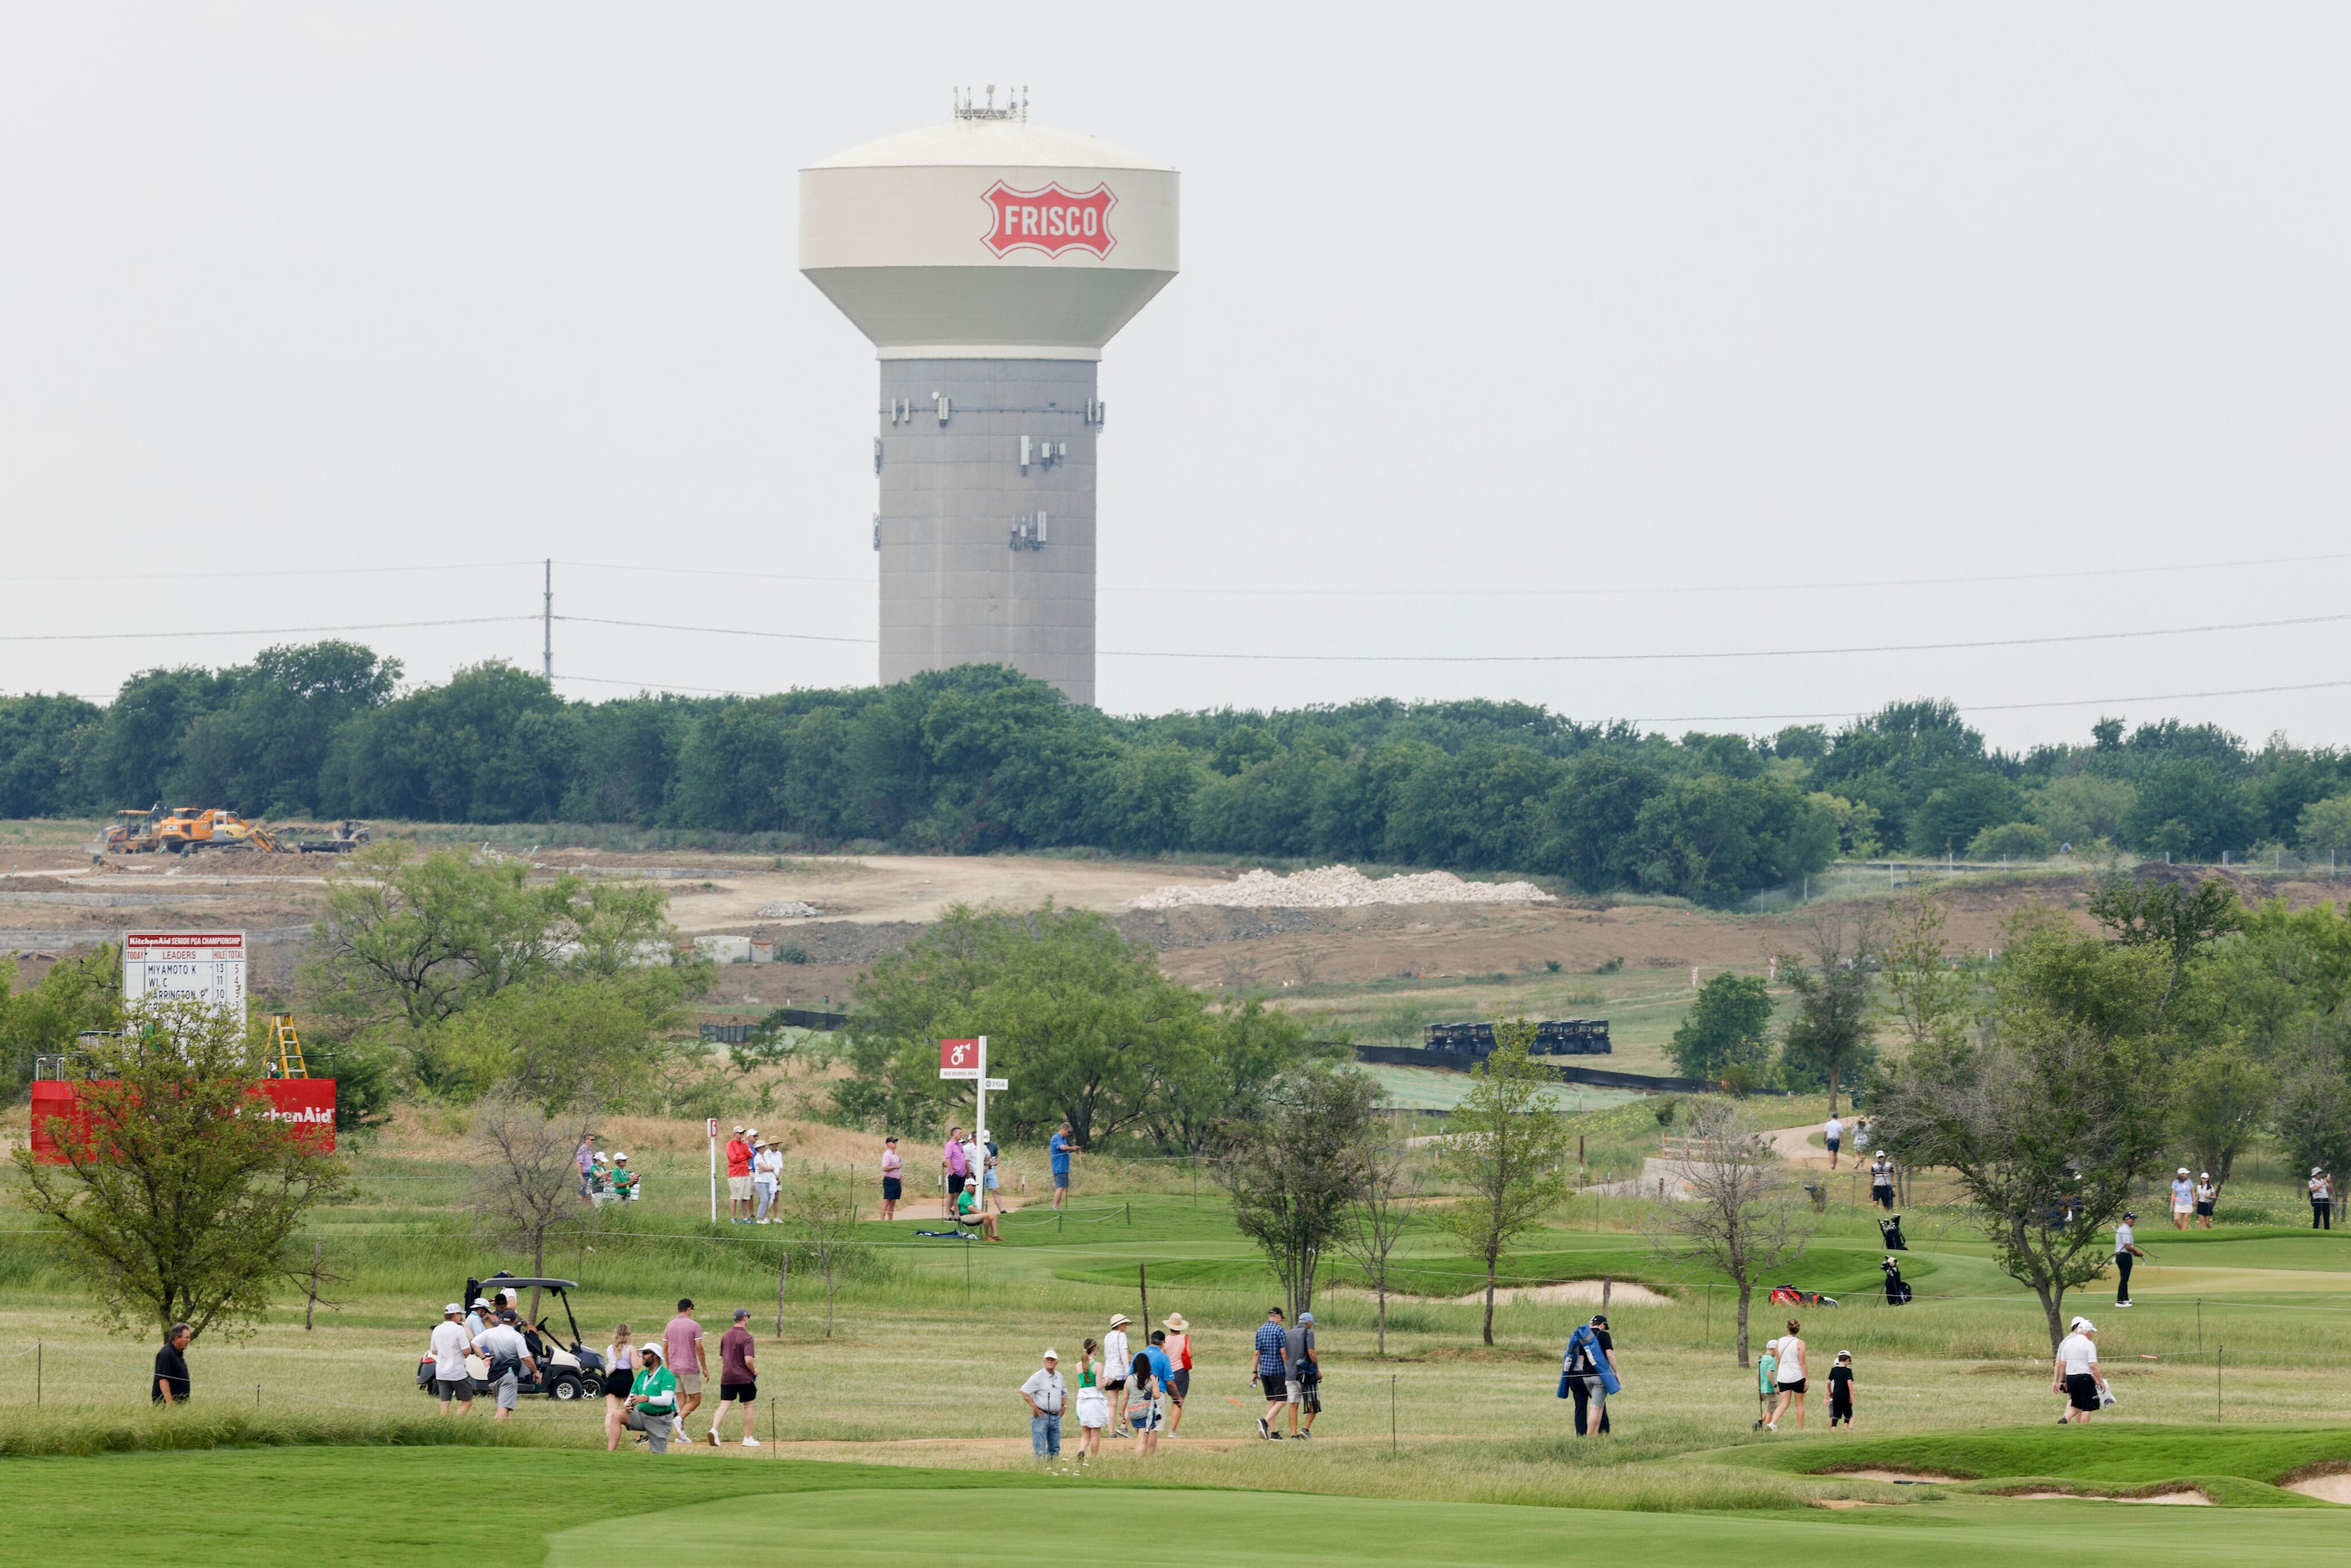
(790, 909)
(1340, 887)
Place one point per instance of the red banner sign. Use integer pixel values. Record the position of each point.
(1051, 220)
(308, 1104)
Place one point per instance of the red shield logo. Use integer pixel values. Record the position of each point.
(1051, 220)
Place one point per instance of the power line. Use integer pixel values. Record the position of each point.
(717, 630)
(712, 571)
(256, 631)
(2016, 708)
(1735, 654)
(271, 572)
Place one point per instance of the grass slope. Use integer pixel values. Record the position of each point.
(1209, 1528)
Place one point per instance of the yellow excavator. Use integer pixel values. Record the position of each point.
(185, 829)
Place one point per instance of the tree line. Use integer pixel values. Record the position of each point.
(980, 759)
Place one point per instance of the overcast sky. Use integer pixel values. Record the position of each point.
(1690, 318)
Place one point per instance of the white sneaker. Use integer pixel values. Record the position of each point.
(751, 1442)
(714, 1436)
(677, 1430)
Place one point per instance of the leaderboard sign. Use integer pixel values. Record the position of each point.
(208, 966)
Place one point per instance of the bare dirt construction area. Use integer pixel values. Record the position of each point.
(1381, 972)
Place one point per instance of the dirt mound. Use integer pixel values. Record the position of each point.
(1342, 887)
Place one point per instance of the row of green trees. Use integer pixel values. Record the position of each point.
(981, 758)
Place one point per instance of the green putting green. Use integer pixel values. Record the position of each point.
(974, 1529)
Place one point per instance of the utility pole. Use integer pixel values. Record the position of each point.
(547, 624)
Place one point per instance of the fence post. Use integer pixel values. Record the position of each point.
(2219, 1355)
(36, 1374)
(783, 1272)
(1143, 1282)
(1392, 1416)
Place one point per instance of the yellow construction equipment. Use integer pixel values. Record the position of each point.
(189, 829)
(134, 832)
(285, 1056)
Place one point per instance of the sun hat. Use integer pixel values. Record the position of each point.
(1119, 1320)
(652, 1348)
(1175, 1321)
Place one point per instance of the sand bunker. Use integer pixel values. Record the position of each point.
(2189, 1498)
(1899, 1478)
(1630, 1295)
(1340, 887)
(2336, 1488)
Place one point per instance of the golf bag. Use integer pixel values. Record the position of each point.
(1890, 1228)
(1897, 1289)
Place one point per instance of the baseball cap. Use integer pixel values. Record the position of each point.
(1053, 1354)
(2084, 1325)
(451, 1309)
(1306, 1317)
(2183, 1170)
(742, 1313)
(621, 1159)
(506, 1314)
(481, 1301)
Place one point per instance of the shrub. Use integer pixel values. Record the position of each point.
(2012, 840)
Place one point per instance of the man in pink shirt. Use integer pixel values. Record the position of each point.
(893, 1172)
(957, 1165)
(683, 1348)
(740, 1191)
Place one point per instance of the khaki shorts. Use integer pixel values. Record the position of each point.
(688, 1382)
(738, 1186)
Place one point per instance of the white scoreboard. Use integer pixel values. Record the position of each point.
(207, 965)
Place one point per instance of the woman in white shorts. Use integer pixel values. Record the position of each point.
(1093, 1405)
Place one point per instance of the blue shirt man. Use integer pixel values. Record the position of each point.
(1062, 1147)
(1272, 1345)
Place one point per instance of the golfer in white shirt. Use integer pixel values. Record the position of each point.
(2077, 1373)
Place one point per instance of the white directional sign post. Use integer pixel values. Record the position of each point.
(967, 1060)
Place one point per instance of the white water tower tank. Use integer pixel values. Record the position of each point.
(988, 260)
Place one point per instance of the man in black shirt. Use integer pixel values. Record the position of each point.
(170, 1384)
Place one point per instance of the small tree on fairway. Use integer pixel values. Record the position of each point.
(1293, 1169)
(1925, 997)
(2048, 1119)
(823, 1205)
(183, 1202)
(1725, 1028)
(2224, 1097)
(1508, 1147)
(1831, 1034)
(1742, 1218)
(1375, 1217)
(526, 1175)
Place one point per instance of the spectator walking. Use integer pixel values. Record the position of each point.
(1833, 1134)
(1142, 1412)
(767, 1179)
(1064, 1148)
(1305, 1384)
(584, 1156)
(1179, 1384)
(687, 1358)
(1841, 1391)
(1093, 1409)
(739, 1377)
(2183, 1198)
(2077, 1373)
(451, 1343)
(1589, 1372)
(170, 1384)
(1043, 1394)
(1790, 1349)
(1881, 1181)
(739, 1194)
(2321, 1199)
(2125, 1249)
(1767, 1385)
(1271, 1370)
(1860, 1138)
(653, 1399)
(1115, 1361)
(991, 1194)
(620, 1376)
(894, 1178)
(2206, 1195)
(952, 1160)
(509, 1356)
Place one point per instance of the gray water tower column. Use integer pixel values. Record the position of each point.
(986, 522)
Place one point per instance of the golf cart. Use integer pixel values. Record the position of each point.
(566, 1372)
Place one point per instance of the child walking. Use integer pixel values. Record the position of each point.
(1093, 1408)
(1767, 1385)
(1841, 1390)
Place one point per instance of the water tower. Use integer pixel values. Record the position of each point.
(989, 260)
